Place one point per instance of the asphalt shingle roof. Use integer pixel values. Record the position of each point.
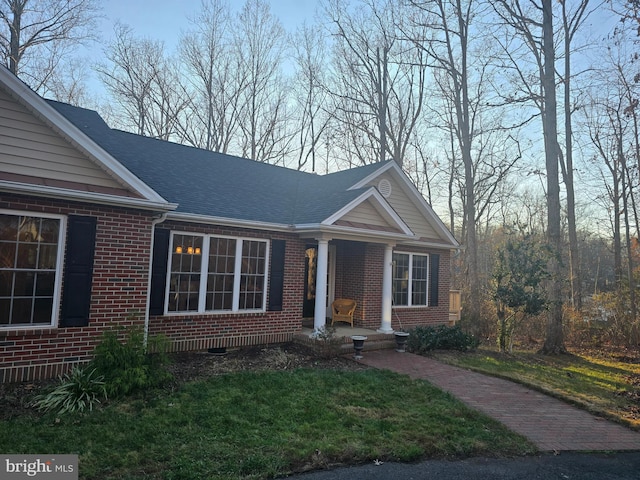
(218, 185)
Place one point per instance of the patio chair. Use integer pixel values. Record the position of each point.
(342, 310)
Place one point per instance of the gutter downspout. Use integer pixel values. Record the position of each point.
(155, 222)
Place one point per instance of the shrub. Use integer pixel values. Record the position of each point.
(126, 365)
(327, 343)
(426, 338)
(78, 391)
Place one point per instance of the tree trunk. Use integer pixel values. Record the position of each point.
(554, 341)
(17, 7)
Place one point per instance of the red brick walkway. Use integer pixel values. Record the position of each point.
(549, 423)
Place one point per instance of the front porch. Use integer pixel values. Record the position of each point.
(375, 339)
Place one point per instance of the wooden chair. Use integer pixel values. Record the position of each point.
(342, 310)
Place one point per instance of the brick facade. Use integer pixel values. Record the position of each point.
(198, 332)
(359, 276)
(119, 293)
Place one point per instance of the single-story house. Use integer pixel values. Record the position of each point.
(102, 228)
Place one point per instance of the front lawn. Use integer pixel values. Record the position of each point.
(604, 383)
(265, 424)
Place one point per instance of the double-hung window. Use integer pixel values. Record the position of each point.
(211, 273)
(410, 279)
(30, 259)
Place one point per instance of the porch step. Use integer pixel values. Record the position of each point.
(375, 341)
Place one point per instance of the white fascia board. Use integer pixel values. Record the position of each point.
(415, 196)
(37, 105)
(350, 233)
(427, 243)
(363, 183)
(89, 197)
(227, 222)
(382, 206)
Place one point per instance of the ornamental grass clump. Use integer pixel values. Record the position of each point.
(79, 390)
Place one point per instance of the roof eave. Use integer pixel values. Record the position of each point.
(90, 197)
(229, 222)
(349, 233)
(420, 202)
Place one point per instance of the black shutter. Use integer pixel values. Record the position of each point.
(276, 278)
(78, 271)
(159, 270)
(434, 265)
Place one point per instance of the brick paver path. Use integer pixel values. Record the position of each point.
(549, 423)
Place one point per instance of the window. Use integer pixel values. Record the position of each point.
(210, 273)
(30, 253)
(410, 277)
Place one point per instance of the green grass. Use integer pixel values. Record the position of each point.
(261, 425)
(596, 381)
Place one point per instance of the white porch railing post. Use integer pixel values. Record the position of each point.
(387, 290)
(320, 312)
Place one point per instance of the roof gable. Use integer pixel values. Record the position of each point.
(407, 201)
(33, 153)
(369, 212)
(55, 158)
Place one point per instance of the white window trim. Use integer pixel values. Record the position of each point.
(410, 284)
(204, 270)
(57, 288)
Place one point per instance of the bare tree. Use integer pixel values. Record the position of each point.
(36, 35)
(378, 87)
(310, 54)
(532, 23)
(571, 23)
(612, 124)
(462, 79)
(143, 83)
(206, 50)
(260, 47)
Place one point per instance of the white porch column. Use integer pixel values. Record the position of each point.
(320, 312)
(387, 290)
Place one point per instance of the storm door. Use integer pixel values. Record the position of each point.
(310, 269)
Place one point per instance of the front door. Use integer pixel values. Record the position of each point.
(309, 302)
(310, 270)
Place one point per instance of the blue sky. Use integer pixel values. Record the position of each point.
(165, 19)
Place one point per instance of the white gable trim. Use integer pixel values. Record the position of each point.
(379, 203)
(414, 195)
(39, 107)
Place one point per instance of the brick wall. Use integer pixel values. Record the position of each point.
(359, 276)
(198, 332)
(118, 291)
(406, 318)
(119, 296)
